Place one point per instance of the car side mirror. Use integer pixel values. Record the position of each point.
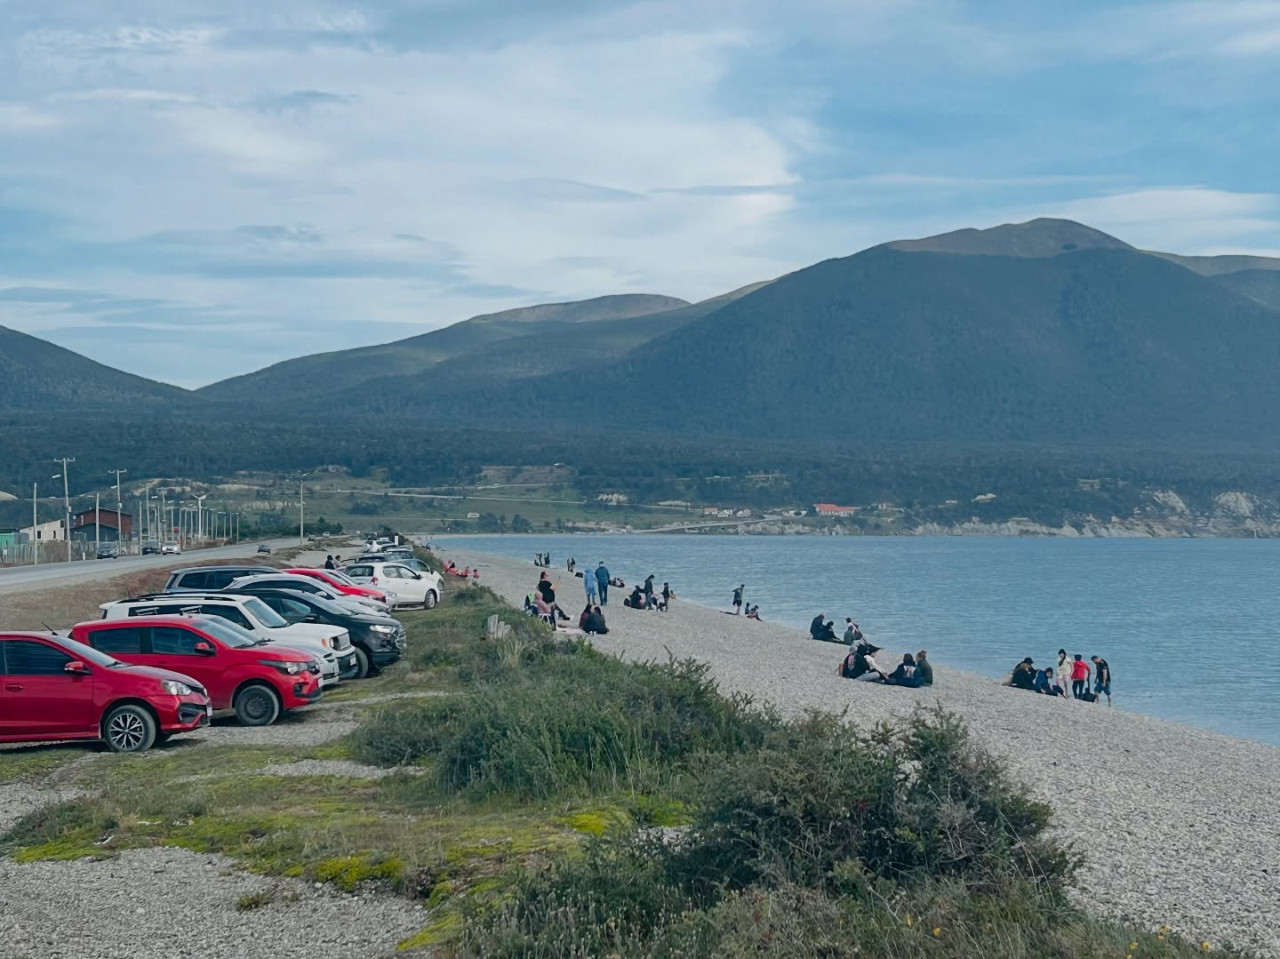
(204, 649)
(417, 576)
(310, 618)
(76, 668)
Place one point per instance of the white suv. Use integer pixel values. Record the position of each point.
(410, 586)
(330, 645)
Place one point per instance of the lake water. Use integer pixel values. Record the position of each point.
(1190, 627)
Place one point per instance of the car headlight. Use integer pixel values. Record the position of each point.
(289, 668)
(175, 688)
(385, 630)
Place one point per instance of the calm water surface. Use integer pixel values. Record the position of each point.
(1188, 626)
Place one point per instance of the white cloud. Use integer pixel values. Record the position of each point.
(1188, 219)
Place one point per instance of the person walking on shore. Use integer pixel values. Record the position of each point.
(1080, 672)
(737, 599)
(602, 581)
(1102, 678)
(648, 592)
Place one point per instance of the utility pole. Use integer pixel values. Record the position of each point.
(302, 513)
(119, 508)
(35, 542)
(97, 522)
(200, 517)
(66, 501)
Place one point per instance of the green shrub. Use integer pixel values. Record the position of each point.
(584, 722)
(906, 803)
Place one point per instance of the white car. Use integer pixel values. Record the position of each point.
(411, 587)
(330, 645)
(171, 548)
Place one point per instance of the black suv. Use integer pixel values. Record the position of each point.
(379, 640)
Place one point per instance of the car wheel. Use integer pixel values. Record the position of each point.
(257, 705)
(128, 729)
(362, 663)
(429, 601)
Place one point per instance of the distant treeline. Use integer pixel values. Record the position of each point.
(1042, 482)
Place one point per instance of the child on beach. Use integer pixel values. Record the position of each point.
(1080, 673)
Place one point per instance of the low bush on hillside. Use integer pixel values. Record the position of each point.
(580, 721)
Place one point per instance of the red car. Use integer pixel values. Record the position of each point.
(341, 583)
(258, 680)
(54, 688)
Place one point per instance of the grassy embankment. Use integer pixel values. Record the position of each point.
(554, 801)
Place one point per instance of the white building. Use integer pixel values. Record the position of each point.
(50, 532)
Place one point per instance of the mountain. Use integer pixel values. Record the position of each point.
(550, 349)
(297, 379)
(945, 341)
(37, 375)
(1036, 238)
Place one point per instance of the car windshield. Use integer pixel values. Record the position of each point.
(339, 577)
(86, 653)
(264, 614)
(326, 605)
(229, 634)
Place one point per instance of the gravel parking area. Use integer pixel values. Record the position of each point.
(1178, 824)
(168, 903)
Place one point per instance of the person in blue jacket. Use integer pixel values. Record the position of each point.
(602, 581)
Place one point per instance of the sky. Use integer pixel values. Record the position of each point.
(194, 189)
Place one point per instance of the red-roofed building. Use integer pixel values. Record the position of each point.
(831, 509)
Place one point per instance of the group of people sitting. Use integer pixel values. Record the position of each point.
(860, 664)
(466, 573)
(592, 621)
(1052, 681)
(824, 631)
(645, 597)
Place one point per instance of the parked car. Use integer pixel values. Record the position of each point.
(150, 548)
(413, 562)
(330, 646)
(278, 580)
(107, 551)
(379, 640)
(411, 587)
(56, 688)
(264, 548)
(239, 672)
(171, 548)
(341, 582)
(204, 578)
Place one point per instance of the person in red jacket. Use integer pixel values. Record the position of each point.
(1080, 673)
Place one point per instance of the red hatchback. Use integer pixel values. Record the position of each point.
(340, 582)
(54, 688)
(255, 677)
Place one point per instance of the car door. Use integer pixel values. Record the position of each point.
(173, 647)
(39, 697)
(409, 587)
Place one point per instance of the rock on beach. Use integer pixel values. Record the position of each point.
(1179, 826)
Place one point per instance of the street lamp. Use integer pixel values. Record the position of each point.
(200, 516)
(66, 500)
(119, 507)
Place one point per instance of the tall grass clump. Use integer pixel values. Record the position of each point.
(579, 722)
(833, 834)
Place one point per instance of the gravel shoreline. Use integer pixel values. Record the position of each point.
(1177, 823)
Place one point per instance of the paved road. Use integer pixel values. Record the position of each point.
(18, 578)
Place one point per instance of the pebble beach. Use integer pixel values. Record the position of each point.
(1180, 827)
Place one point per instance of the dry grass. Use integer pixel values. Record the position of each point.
(61, 607)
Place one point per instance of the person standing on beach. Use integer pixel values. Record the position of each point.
(1102, 678)
(1080, 672)
(737, 599)
(666, 597)
(602, 581)
(648, 592)
(590, 584)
